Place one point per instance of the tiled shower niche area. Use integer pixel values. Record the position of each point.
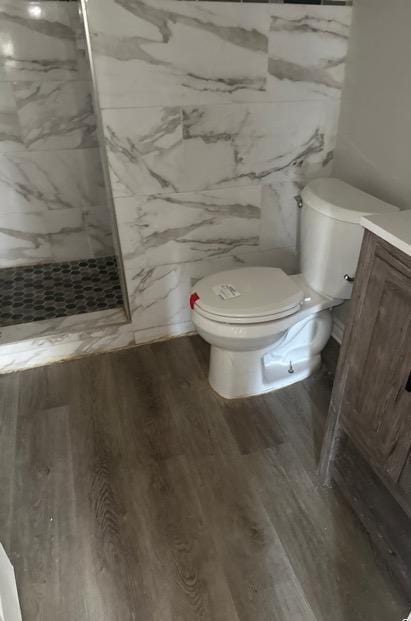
(57, 255)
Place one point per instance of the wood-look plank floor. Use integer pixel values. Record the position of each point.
(130, 491)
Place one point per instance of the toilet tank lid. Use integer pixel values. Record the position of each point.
(340, 201)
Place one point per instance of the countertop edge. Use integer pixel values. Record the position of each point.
(379, 226)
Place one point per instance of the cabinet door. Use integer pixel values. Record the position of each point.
(376, 408)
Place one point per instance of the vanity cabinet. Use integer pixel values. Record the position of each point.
(376, 402)
(367, 447)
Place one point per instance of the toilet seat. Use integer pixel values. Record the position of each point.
(247, 295)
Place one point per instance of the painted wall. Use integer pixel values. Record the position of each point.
(215, 116)
(374, 144)
(52, 193)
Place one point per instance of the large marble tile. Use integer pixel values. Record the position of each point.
(170, 52)
(307, 51)
(243, 144)
(144, 148)
(52, 348)
(37, 42)
(56, 115)
(41, 180)
(57, 235)
(68, 235)
(74, 11)
(131, 243)
(99, 226)
(191, 226)
(10, 134)
(24, 239)
(18, 337)
(280, 214)
(159, 295)
(160, 333)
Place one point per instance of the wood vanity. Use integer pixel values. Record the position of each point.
(367, 447)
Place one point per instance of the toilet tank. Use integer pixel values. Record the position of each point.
(331, 234)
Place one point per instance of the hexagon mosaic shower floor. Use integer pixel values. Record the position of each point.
(36, 292)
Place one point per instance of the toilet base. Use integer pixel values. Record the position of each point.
(294, 357)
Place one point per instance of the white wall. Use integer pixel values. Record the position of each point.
(374, 138)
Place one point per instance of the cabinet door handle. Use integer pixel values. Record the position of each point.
(408, 384)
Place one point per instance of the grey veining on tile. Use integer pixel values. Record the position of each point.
(166, 52)
(74, 12)
(37, 42)
(23, 239)
(175, 228)
(40, 180)
(67, 233)
(46, 236)
(56, 115)
(243, 144)
(307, 51)
(52, 347)
(159, 295)
(18, 338)
(145, 149)
(10, 134)
(99, 228)
(279, 213)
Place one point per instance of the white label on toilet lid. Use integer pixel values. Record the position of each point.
(226, 292)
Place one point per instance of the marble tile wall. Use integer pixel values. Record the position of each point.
(215, 115)
(53, 200)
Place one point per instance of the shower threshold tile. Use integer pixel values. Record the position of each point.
(55, 290)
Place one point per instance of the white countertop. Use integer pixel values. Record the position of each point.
(394, 228)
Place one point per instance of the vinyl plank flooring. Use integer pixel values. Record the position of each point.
(114, 585)
(261, 579)
(44, 546)
(9, 391)
(252, 424)
(330, 558)
(199, 418)
(302, 422)
(131, 491)
(181, 554)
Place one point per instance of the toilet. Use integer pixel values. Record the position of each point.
(267, 329)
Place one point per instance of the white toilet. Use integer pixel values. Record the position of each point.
(267, 329)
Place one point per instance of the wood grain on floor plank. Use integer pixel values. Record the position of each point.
(9, 392)
(131, 491)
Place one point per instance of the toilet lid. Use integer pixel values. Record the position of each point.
(248, 294)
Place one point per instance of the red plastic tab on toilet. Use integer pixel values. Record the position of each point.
(193, 299)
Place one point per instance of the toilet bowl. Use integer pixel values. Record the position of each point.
(251, 356)
(267, 329)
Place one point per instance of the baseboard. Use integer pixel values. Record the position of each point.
(338, 330)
